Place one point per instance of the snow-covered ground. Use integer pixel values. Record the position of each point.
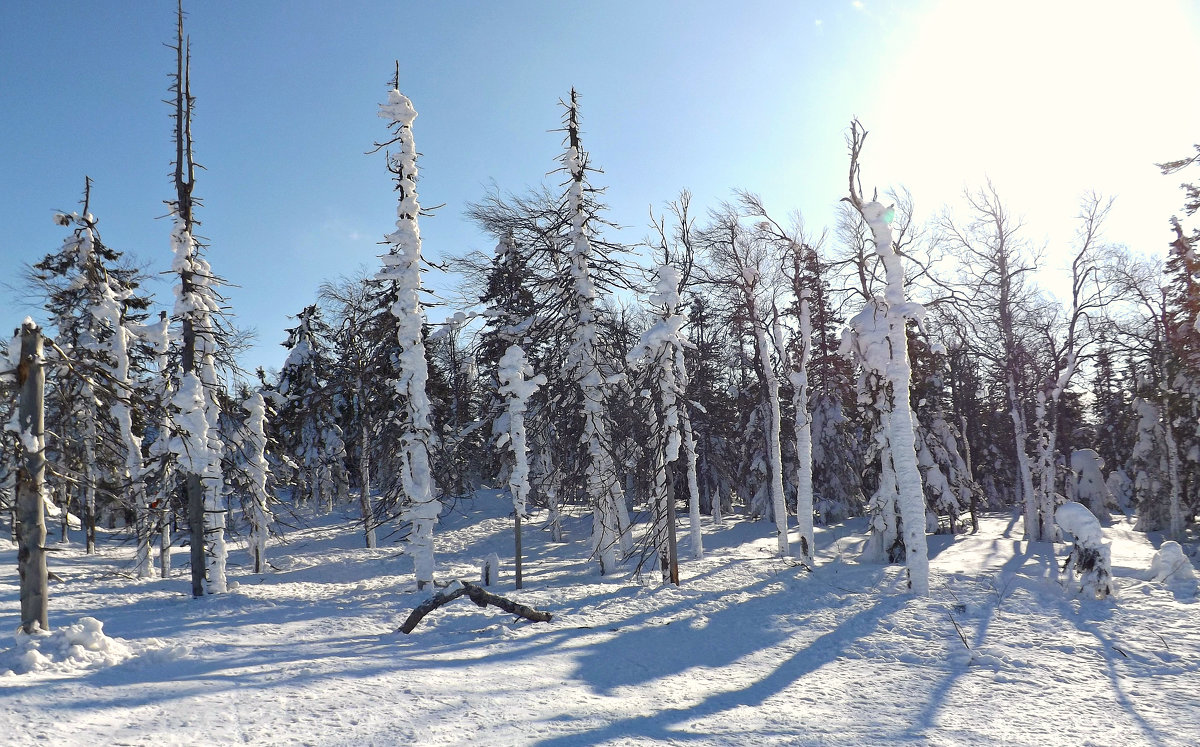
(751, 649)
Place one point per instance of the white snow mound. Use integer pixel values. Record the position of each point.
(1076, 520)
(1170, 566)
(74, 647)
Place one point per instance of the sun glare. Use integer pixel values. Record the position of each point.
(1036, 96)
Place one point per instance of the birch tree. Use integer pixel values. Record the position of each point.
(740, 265)
(998, 303)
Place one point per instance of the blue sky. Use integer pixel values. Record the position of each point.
(1047, 99)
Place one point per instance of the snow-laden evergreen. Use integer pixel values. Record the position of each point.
(518, 384)
(96, 308)
(610, 522)
(194, 441)
(1091, 556)
(402, 267)
(258, 471)
(1088, 484)
(660, 351)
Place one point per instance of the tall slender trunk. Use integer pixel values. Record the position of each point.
(30, 509)
(91, 474)
(1024, 473)
(774, 455)
(1174, 505)
(695, 537)
(364, 470)
(804, 466)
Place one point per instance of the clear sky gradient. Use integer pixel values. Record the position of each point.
(1048, 99)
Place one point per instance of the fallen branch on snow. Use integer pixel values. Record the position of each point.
(477, 595)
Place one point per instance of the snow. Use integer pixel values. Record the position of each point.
(81, 646)
(402, 264)
(1170, 566)
(751, 649)
(1080, 523)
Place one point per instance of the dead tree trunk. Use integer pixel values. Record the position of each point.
(31, 518)
(479, 596)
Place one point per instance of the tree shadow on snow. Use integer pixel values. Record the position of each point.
(639, 656)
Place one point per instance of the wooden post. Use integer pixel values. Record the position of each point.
(31, 516)
(518, 537)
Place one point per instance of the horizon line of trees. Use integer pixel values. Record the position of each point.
(923, 373)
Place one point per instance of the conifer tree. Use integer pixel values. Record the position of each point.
(194, 410)
(402, 266)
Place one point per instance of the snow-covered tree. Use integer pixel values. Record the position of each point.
(660, 350)
(1088, 485)
(997, 301)
(609, 523)
(194, 440)
(304, 400)
(880, 343)
(97, 309)
(518, 383)
(361, 371)
(402, 266)
(740, 260)
(258, 470)
(1091, 556)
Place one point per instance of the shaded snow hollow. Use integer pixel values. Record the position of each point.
(752, 649)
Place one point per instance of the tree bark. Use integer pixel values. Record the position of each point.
(194, 490)
(479, 596)
(31, 517)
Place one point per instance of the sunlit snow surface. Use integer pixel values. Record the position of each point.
(750, 650)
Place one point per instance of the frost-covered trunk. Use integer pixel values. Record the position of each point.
(1047, 437)
(1024, 472)
(402, 266)
(804, 466)
(1174, 502)
(774, 430)
(30, 503)
(885, 530)
(159, 510)
(894, 364)
(91, 470)
(123, 414)
(695, 537)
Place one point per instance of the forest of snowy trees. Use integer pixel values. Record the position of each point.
(915, 369)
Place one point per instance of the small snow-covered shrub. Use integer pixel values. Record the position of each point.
(1170, 566)
(1090, 556)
